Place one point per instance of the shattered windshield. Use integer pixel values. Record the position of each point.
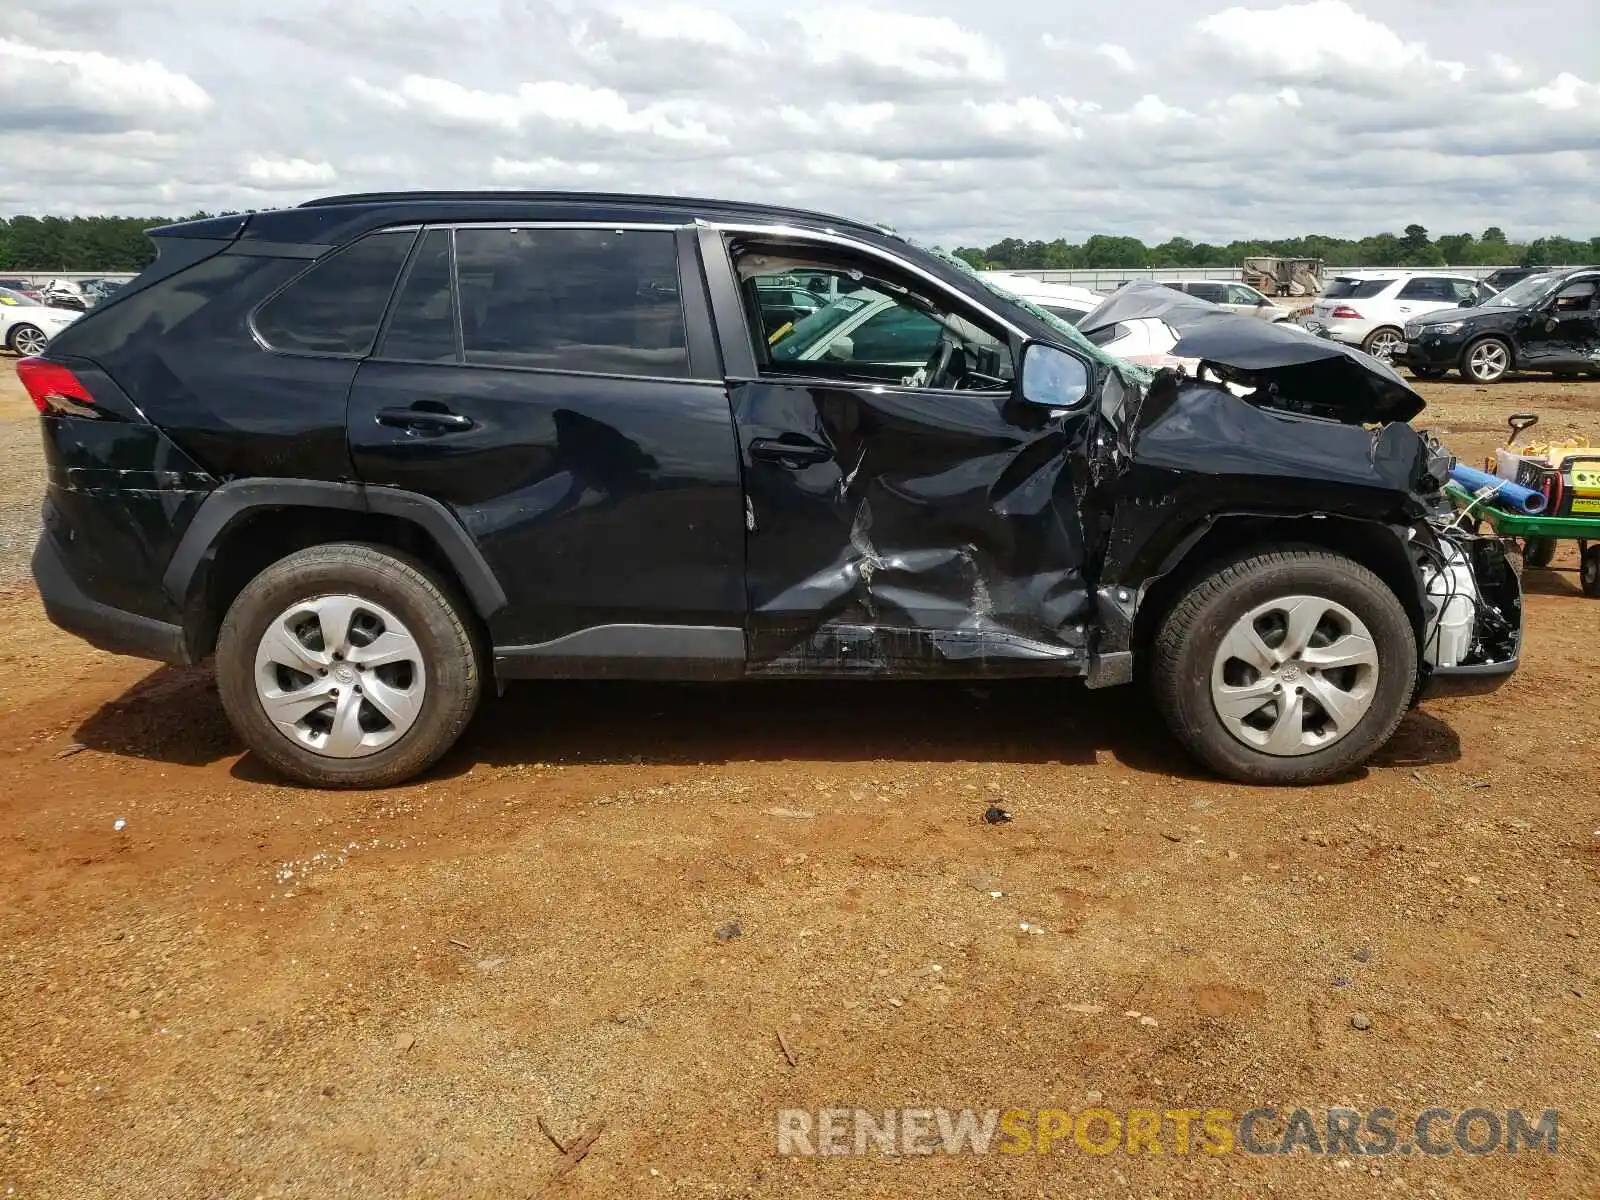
(1526, 291)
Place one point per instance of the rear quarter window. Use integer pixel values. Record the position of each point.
(335, 307)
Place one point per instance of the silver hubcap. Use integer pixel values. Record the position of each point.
(1294, 675)
(1488, 361)
(340, 675)
(29, 341)
(1384, 345)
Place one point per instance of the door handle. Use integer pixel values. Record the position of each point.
(793, 455)
(424, 420)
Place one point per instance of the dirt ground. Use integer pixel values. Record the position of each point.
(216, 985)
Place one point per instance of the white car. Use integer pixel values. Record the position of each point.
(26, 326)
(1058, 299)
(1370, 309)
(1238, 298)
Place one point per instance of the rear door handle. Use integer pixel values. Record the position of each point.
(793, 455)
(424, 420)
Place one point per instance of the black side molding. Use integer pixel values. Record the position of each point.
(232, 500)
(671, 652)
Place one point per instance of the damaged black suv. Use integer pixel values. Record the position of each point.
(377, 450)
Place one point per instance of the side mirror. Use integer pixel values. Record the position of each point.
(841, 349)
(1053, 378)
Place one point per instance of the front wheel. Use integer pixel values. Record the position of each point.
(348, 665)
(1538, 552)
(1285, 667)
(1589, 572)
(1487, 360)
(1428, 372)
(28, 340)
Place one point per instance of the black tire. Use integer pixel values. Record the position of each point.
(1193, 631)
(1428, 372)
(427, 605)
(1382, 333)
(1589, 572)
(1473, 373)
(1538, 552)
(32, 334)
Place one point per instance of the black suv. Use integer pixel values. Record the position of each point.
(379, 450)
(1545, 322)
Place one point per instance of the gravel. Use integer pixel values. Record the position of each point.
(21, 481)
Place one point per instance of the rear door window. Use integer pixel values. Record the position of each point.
(601, 301)
(1428, 288)
(335, 307)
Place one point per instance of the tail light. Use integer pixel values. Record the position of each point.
(1345, 313)
(52, 386)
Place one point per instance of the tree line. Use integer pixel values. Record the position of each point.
(120, 244)
(1413, 248)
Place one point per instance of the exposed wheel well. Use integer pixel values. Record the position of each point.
(260, 537)
(1369, 543)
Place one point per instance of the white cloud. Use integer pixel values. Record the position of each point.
(1002, 120)
(896, 46)
(1323, 42)
(288, 173)
(1567, 92)
(552, 102)
(131, 93)
(1117, 56)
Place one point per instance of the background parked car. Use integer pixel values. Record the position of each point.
(25, 287)
(1547, 322)
(1058, 299)
(27, 325)
(1498, 281)
(1240, 298)
(1370, 309)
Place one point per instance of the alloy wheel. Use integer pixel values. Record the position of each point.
(340, 675)
(1294, 675)
(1384, 343)
(1488, 361)
(28, 341)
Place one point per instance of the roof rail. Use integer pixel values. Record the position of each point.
(567, 197)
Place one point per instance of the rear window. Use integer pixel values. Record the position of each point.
(335, 307)
(1070, 315)
(596, 300)
(1355, 289)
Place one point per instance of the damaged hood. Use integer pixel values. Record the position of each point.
(1289, 367)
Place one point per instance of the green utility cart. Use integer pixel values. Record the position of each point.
(1539, 534)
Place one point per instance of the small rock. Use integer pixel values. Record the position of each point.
(1472, 880)
(1315, 836)
(70, 749)
(1094, 1097)
(1572, 933)
(330, 1090)
(1170, 836)
(995, 815)
(1148, 1022)
(1360, 1021)
(1201, 804)
(1362, 954)
(1089, 1010)
(1341, 981)
(727, 933)
(63, 1078)
(1133, 1014)
(405, 1042)
(119, 824)
(792, 814)
(896, 1002)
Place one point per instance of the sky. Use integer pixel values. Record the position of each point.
(960, 122)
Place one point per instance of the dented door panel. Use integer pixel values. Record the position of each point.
(910, 532)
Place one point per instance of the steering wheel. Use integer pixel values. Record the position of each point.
(937, 366)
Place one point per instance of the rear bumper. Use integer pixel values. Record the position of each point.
(100, 625)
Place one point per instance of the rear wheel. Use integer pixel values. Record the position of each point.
(1384, 342)
(1486, 361)
(1285, 667)
(1538, 552)
(1589, 571)
(347, 665)
(1428, 372)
